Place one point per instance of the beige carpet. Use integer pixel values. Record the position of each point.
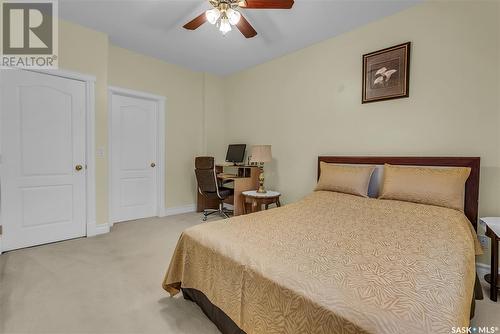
(111, 284)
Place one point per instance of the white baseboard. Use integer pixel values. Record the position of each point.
(180, 209)
(101, 229)
(96, 229)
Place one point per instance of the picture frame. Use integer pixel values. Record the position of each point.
(386, 74)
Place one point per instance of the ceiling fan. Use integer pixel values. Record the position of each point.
(225, 13)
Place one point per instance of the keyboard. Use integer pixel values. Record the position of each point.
(226, 175)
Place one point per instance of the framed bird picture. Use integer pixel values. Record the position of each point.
(386, 74)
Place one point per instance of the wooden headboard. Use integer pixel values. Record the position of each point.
(471, 186)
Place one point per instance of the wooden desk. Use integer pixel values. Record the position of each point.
(244, 178)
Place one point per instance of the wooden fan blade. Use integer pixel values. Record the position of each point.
(267, 4)
(246, 28)
(196, 22)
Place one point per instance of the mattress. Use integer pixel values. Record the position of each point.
(333, 263)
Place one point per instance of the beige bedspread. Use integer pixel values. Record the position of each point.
(334, 263)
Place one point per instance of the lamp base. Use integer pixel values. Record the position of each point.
(261, 189)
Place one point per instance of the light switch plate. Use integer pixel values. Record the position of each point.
(100, 152)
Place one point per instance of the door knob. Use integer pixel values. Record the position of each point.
(78, 167)
(153, 164)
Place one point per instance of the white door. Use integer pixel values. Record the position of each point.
(133, 157)
(43, 158)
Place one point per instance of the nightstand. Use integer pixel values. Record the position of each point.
(493, 231)
(256, 200)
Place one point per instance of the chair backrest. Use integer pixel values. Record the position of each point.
(205, 174)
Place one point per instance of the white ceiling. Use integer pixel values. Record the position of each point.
(155, 28)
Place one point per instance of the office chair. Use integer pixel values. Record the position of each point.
(209, 187)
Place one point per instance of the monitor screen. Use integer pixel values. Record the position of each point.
(236, 153)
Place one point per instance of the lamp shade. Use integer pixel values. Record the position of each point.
(261, 153)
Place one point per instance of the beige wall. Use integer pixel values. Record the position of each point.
(214, 116)
(308, 103)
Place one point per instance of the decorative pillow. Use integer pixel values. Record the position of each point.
(345, 179)
(426, 185)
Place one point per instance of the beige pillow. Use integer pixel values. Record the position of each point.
(345, 179)
(426, 185)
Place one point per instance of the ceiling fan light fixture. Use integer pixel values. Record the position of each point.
(225, 14)
(212, 15)
(234, 16)
(225, 26)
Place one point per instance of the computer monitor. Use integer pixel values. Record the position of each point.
(236, 153)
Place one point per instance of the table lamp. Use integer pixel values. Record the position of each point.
(261, 154)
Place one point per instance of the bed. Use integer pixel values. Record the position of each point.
(336, 263)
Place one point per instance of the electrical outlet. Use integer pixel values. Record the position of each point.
(484, 241)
